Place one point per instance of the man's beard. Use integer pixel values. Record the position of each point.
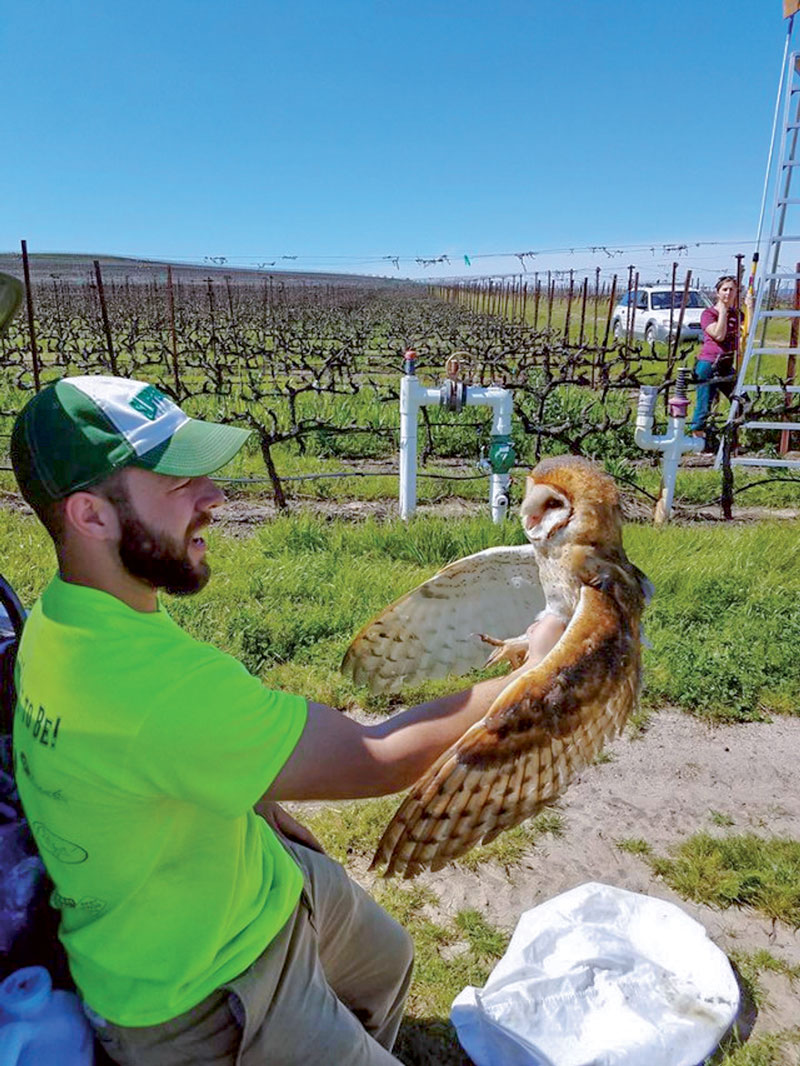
(157, 558)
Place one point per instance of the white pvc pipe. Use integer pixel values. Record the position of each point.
(413, 395)
(500, 401)
(673, 443)
(498, 495)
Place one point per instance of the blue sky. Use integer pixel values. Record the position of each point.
(351, 132)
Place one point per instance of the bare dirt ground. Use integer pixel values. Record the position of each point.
(660, 786)
(241, 516)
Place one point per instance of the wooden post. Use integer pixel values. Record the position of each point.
(610, 312)
(673, 355)
(569, 305)
(632, 309)
(37, 384)
(173, 334)
(104, 314)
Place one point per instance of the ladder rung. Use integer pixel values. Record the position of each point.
(740, 460)
(782, 277)
(771, 388)
(793, 126)
(791, 426)
(777, 240)
(784, 202)
(779, 314)
(775, 351)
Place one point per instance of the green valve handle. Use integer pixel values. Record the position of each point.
(10, 298)
(501, 454)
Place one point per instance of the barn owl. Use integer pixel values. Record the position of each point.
(551, 721)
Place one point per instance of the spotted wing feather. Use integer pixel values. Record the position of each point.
(432, 631)
(542, 729)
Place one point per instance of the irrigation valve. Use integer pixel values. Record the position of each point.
(673, 443)
(501, 455)
(454, 391)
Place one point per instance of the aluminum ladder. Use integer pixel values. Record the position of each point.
(752, 383)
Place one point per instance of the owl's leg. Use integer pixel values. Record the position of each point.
(534, 644)
(514, 650)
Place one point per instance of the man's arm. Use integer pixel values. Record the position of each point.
(339, 758)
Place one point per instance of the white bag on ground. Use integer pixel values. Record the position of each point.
(599, 976)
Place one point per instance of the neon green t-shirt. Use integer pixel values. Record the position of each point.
(139, 753)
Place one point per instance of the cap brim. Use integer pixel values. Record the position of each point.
(11, 293)
(197, 448)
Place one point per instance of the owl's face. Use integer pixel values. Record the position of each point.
(545, 512)
(570, 500)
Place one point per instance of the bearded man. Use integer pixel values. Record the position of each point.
(197, 929)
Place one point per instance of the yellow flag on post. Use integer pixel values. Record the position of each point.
(790, 7)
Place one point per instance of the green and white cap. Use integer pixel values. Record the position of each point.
(80, 430)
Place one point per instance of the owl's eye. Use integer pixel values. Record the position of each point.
(553, 502)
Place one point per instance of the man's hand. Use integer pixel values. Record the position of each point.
(542, 638)
(285, 825)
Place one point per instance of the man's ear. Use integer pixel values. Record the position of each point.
(91, 516)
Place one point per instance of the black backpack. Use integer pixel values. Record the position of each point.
(28, 925)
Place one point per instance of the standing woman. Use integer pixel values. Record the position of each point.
(717, 358)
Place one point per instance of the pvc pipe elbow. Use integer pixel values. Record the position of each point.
(413, 395)
(501, 402)
(645, 438)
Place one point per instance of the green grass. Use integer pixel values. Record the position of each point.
(772, 1049)
(287, 600)
(449, 955)
(719, 819)
(696, 487)
(723, 622)
(634, 846)
(743, 870)
(751, 965)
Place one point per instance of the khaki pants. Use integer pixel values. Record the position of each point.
(328, 990)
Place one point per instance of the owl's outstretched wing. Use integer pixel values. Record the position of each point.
(542, 729)
(432, 631)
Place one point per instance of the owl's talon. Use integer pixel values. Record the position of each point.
(513, 651)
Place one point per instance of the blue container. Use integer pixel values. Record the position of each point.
(40, 1027)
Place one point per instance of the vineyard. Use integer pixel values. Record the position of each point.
(314, 368)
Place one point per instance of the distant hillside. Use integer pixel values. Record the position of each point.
(79, 268)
